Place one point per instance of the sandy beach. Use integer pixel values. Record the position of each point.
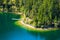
(30, 27)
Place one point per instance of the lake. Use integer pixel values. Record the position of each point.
(10, 31)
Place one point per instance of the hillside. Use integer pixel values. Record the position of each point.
(43, 13)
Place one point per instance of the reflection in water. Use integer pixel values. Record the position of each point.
(50, 35)
(53, 35)
(9, 31)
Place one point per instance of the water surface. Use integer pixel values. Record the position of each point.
(10, 31)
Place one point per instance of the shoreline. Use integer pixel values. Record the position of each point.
(32, 28)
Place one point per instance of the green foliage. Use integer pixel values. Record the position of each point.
(42, 12)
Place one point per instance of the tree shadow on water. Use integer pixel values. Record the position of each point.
(6, 22)
(49, 35)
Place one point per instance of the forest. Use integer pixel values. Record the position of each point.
(43, 13)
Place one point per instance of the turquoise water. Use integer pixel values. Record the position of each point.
(10, 31)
